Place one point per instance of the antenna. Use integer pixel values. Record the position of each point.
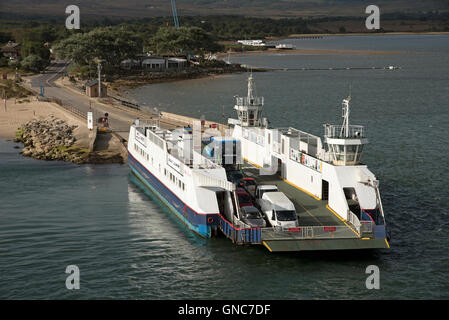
(175, 13)
(345, 111)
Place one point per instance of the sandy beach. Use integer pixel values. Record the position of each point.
(20, 111)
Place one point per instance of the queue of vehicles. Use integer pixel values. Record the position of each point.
(262, 205)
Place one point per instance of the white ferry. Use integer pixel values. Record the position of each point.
(254, 43)
(333, 199)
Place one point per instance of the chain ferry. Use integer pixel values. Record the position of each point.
(281, 188)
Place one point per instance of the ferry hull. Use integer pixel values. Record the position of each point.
(202, 224)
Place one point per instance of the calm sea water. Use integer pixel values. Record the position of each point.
(127, 245)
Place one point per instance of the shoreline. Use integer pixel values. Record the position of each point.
(20, 111)
(121, 86)
(35, 124)
(137, 81)
(329, 51)
(298, 35)
(313, 51)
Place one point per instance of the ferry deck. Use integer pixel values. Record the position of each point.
(319, 227)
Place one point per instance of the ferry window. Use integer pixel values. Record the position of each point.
(183, 186)
(165, 172)
(269, 138)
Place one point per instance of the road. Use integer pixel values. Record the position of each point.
(119, 119)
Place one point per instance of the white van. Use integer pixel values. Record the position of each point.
(279, 210)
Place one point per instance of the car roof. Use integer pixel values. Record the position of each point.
(267, 186)
(250, 209)
(279, 200)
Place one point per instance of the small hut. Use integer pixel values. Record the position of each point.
(92, 89)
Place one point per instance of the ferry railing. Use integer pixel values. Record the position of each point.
(69, 108)
(307, 232)
(238, 233)
(366, 227)
(244, 101)
(147, 123)
(334, 131)
(352, 218)
(209, 181)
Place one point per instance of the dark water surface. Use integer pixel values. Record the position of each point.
(127, 245)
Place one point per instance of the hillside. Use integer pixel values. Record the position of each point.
(258, 8)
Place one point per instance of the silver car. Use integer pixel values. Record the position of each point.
(252, 217)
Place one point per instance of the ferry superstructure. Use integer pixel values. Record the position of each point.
(185, 181)
(336, 197)
(334, 177)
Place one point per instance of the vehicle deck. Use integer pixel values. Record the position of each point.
(321, 228)
(311, 210)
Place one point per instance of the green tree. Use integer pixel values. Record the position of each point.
(35, 48)
(193, 40)
(33, 63)
(3, 62)
(109, 44)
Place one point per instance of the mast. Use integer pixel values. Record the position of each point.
(249, 108)
(345, 114)
(250, 87)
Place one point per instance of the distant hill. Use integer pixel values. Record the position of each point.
(125, 9)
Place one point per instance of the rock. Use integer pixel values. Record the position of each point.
(52, 139)
(26, 152)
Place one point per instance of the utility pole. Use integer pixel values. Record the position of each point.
(99, 78)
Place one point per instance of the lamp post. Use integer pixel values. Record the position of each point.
(98, 60)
